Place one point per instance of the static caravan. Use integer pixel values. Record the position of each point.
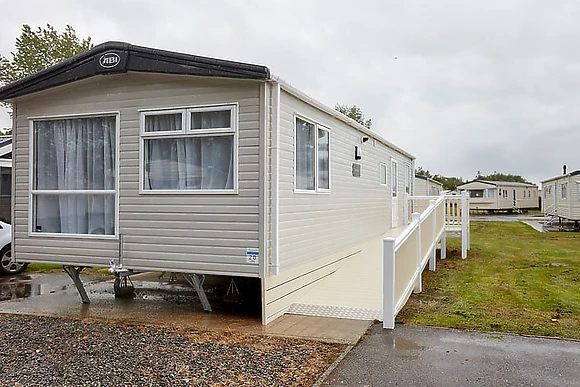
(425, 186)
(6, 179)
(561, 196)
(500, 195)
(150, 160)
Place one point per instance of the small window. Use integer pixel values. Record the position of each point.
(476, 193)
(189, 150)
(407, 179)
(383, 174)
(312, 156)
(578, 189)
(394, 178)
(156, 123)
(490, 193)
(564, 190)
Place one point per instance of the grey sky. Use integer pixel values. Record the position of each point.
(477, 85)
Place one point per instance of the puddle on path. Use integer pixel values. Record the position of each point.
(30, 285)
(403, 348)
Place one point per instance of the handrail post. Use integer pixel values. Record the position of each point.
(444, 235)
(432, 263)
(419, 282)
(389, 283)
(464, 224)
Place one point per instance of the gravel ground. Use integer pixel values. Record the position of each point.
(43, 351)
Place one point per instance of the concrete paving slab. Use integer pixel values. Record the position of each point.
(425, 356)
(159, 302)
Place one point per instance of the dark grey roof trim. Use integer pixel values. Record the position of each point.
(127, 57)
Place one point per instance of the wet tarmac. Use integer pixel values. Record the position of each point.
(426, 356)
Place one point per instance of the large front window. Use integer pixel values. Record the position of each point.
(189, 150)
(74, 176)
(312, 165)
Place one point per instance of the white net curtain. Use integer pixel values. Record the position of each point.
(76, 155)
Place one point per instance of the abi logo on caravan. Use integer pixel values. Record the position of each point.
(109, 60)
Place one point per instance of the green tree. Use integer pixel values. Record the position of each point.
(449, 182)
(37, 50)
(497, 176)
(423, 172)
(355, 113)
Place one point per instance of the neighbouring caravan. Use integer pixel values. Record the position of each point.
(156, 160)
(501, 195)
(561, 196)
(6, 179)
(425, 186)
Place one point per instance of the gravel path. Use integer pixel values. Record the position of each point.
(42, 351)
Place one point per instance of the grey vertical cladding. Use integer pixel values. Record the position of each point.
(180, 232)
(315, 225)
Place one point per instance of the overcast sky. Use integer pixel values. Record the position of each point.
(465, 86)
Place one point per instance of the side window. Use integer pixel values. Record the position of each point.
(564, 190)
(408, 179)
(383, 174)
(312, 156)
(394, 178)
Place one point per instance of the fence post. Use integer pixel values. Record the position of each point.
(419, 282)
(464, 224)
(432, 262)
(444, 235)
(389, 283)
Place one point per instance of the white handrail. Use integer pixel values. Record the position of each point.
(416, 246)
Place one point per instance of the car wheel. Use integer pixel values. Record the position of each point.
(8, 265)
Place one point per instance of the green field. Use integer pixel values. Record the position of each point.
(515, 279)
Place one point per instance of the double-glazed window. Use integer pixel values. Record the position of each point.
(189, 150)
(564, 190)
(394, 178)
(312, 157)
(408, 179)
(74, 178)
(383, 174)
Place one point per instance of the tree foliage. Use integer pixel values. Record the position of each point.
(37, 50)
(355, 113)
(497, 176)
(449, 182)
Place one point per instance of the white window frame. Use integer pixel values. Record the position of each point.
(564, 188)
(394, 178)
(386, 169)
(317, 127)
(31, 191)
(187, 131)
(407, 179)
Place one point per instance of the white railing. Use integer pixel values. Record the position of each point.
(405, 257)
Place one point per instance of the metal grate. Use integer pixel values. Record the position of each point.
(336, 311)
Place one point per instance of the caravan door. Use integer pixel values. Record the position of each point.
(394, 194)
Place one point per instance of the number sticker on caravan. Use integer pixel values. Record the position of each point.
(253, 256)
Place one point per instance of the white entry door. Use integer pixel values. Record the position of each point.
(394, 194)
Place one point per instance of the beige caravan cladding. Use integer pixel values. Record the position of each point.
(354, 209)
(199, 232)
(319, 229)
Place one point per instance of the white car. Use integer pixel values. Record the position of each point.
(8, 266)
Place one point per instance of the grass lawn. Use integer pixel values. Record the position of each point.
(515, 279)
(52, 268)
